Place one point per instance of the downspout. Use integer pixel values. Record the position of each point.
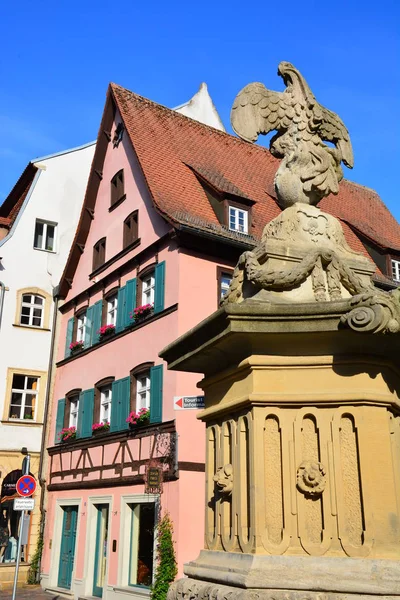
(42, 479)
(3, 292)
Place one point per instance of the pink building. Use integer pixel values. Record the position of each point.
(170, 205)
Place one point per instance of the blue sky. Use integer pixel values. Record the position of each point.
(57, 59)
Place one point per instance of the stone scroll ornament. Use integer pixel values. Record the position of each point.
(310, 169)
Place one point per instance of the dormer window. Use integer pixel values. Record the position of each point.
(396, 270)
(238, 219)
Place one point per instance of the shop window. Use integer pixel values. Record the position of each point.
(10, 520)
(24, 393)
(45, 236)
(141, 555)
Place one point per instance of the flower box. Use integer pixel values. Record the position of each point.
(139, 419)
(99, 428)
(76, 347)
(105, 332)
(67, 434)
(141, 312)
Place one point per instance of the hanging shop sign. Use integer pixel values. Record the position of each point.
(154, 479)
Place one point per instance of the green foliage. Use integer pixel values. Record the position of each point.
(166, 562)
(33, 573)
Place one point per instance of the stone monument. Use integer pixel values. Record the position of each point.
(301, 372)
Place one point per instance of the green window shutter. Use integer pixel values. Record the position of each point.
(59, 420)
(120, 402)
(85, 414)
(97, 314)
(120, 309)
(130, 301)
(156, 393)
(70, 330)
(89, 327)
(159, 291)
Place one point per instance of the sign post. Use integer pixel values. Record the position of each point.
(26, 486)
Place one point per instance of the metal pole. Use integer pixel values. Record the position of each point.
(25, 471)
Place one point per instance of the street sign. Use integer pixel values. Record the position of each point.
(26, 486)
(188, 402)
(24, 504)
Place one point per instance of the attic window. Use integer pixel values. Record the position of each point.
(237, 219)
(396, 270)
(99, 254)
(130, 229)
(117, 188)
(118, 135)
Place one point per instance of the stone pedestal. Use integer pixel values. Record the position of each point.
(303, 453)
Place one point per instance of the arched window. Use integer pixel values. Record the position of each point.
(32, 310)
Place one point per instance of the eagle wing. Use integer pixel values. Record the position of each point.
(258, 110)
(332, 129)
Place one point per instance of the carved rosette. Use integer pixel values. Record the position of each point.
(224, 480)
(311, 478)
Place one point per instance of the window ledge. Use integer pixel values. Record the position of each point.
(114, 259)
(44, 250)
(117, 203)
(126, 331)
(29, 422)
(31, 327)
(133, 590)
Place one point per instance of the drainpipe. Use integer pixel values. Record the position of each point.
(3, 292)
(42, 480)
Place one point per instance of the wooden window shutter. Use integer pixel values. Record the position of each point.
(117, 187)
(130, 229)
(120, 403)
(120, 309)
(159, 291)
(59, 420)
(156, 394)
(97, 314)
(89, 327)
(99, 254)
(85, 414)
(130, 301)
(68, 339)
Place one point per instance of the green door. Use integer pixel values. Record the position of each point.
(67, 553)
(100, 556)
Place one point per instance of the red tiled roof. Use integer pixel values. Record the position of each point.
(15, 199)
(172, 148)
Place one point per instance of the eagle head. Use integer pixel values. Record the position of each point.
(294, 79)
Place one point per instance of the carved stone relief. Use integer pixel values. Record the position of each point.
(224, 480)
(311, 478)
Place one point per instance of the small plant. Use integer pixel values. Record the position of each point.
(140, 418)
(76, 346)
(33, 573)
(106, 331)
(141, 312)
(101, 426)
(166, 570)
(66, 434)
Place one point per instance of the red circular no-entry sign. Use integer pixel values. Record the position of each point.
(26, 485)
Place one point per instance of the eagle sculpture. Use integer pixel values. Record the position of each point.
(310, 169)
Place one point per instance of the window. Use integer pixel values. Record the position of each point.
(143, 391)
(238, 219)
(73, 411)
(112, 305)
(117, 188)
(99, 254)
(81, 327)
(24, 393)
(224, 278)
(130, 229)
(105, 404)
(396, 270)
(141, 556)
(32, 310)
(148, 285)
(45, 236)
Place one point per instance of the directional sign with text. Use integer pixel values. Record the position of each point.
(187, 402)
(26, 486)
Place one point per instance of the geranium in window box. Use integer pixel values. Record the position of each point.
(105, 332)
(67, 434)
(141, 312)
(98, 428)
(76, 347)
(139, 419)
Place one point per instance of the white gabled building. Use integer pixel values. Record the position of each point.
(38, 220)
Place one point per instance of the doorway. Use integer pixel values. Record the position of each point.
(100, 557)
(67, 550)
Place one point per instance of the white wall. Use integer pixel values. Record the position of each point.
(56, 195)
